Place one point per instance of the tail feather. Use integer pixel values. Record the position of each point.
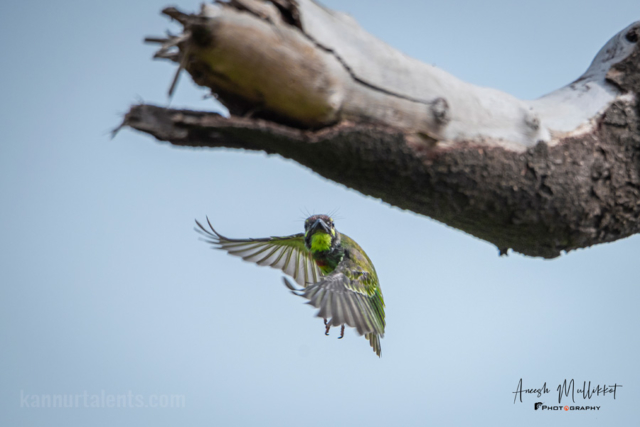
(374, 341)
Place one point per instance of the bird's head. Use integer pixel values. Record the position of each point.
(320, 233)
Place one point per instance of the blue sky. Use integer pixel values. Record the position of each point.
(106, 290)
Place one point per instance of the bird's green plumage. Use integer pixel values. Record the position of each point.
(320, 242)
(336, 274)
(363, 279)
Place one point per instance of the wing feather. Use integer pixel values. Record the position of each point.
(268, 258)
(349, 316)
(287, 253)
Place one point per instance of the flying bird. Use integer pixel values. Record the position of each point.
(336, 275)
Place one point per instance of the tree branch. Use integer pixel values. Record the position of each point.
(558, 173)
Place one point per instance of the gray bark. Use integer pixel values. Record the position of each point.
(539, 177)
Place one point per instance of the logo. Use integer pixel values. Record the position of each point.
(582, 397)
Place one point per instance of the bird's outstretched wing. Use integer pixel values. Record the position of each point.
(349, 296)
(286, 253)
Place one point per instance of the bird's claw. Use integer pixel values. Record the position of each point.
(341, 332)
(328, 326)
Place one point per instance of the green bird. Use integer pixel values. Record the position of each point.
(336, 275)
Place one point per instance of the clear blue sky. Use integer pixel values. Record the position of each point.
(105, 288)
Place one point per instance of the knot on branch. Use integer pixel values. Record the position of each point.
(626, 73)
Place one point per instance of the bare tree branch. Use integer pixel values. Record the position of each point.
(557, 173)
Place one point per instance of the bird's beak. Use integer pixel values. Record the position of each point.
(320, 224)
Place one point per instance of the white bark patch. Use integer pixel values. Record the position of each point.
(477, 114)
(574, 108)
(334, 70)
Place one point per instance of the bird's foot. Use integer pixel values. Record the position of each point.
(328, 326)
(341, 332)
